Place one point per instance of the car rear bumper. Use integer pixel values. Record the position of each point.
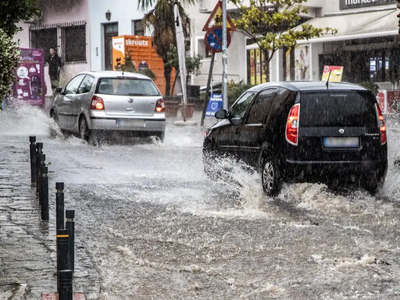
(127, 124)
(334, 169)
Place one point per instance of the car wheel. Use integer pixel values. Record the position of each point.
(371, 182)
(161, 136)
(84, 132)
(270, 177)
(54, 129)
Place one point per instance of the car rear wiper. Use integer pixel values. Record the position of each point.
(136, 94)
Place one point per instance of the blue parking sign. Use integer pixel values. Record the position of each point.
(214, 105)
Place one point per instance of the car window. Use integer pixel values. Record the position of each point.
(240, 106)
(341, 108)
(261, 106)
(72, 86)
(86, 84)
(127, 86)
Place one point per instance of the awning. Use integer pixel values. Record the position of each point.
(356, 26)
(353, 26)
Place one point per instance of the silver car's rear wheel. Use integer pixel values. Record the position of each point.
(270, 177)
(84, 129)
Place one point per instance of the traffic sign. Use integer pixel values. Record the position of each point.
(214, 105)
(215, 19)
(213, 39)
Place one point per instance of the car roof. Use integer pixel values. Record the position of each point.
(309, 86)
(99, 74)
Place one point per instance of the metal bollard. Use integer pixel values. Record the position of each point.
(66, 286)
(42, 163)
(45, 194)
(70, 225)
(60, 205)
(39, 150)
(62, 254)
(32, 148)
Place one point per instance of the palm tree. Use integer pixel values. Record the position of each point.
(162, 19)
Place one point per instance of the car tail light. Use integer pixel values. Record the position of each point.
(97, 103)
(381, 124)
(160, 105)
(292, 125)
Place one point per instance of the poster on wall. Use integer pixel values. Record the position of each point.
(334, 73)
(252, 67)
(288, 65)
(29, 85)
(302, 63)
(258, 66)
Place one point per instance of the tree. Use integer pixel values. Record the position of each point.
(270, 24)
(14, 11)
(8, 61)
(162, 19)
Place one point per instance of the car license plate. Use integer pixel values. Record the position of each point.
(341, 142)
(130, 123)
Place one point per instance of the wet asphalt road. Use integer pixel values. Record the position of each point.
(151, 225)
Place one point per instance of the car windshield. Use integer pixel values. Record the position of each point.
(127, 86)
(331, 108)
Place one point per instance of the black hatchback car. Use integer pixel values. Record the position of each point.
(303, 131)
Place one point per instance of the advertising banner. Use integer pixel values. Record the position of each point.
(214, 105)
(349, 4)
(29, 85)
(334, 73)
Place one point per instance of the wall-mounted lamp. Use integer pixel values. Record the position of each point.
(108, 15)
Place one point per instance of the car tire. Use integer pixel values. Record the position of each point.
(270, 176)
(84, 132)
(371, 182)
(161, 136)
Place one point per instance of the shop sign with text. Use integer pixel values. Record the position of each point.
(348, 4)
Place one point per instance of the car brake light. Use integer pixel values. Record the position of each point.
(381, 124)
(292, 125)
(97, 103)
(160, 105)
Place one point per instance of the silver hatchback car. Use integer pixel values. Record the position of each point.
(96, 103)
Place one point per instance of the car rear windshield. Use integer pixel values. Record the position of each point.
(335, 109)
(127, 86)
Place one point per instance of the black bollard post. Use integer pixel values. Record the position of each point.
(70, 225)
(66, 288)
(32, 140)
(42, 163)
(45, 194)
(39, 150)
(62, 254)
(60, 205)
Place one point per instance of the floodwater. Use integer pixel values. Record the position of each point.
(151, 225)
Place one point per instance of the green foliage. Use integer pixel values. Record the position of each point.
(235, 90)
(270, 23)
(9, 54)
(371, 86)
(129, 66)
(14, 11)
(193, 64)
(148, 73)
(162, 19)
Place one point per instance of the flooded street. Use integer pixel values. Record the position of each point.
(151, 225)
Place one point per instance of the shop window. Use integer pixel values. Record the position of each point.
(202, 49)
(69, 38)
(137, 27)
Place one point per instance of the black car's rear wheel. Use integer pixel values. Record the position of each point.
(270, 176)
(371, 182)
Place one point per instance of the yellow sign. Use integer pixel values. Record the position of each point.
(334, 73)
(215, 19)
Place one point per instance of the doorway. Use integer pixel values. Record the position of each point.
(110, 30)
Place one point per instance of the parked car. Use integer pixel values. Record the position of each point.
(96, 103)
(303, 131)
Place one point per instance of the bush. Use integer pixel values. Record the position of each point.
(371, 86)
(9, 53)
(235, 90)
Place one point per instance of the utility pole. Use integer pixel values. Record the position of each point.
(224, 58)
(398, 15)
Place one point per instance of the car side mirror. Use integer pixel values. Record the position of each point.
(58, 90)
(236, 120)
(221, 114)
